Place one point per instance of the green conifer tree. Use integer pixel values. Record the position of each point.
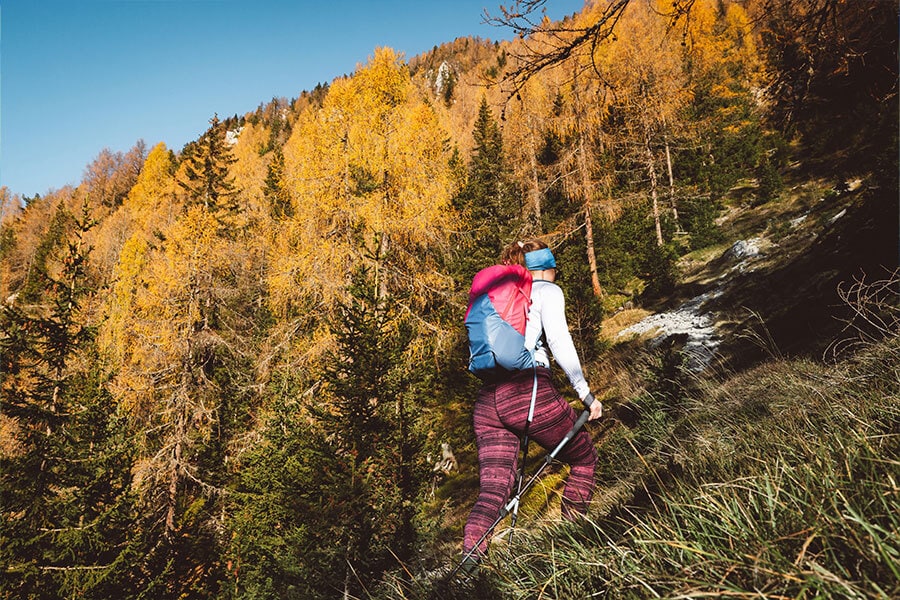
(488, 200)
(204, 174)
(332, 498)
(275, 191)
(66, 516)
(51, 242)
(375, 430)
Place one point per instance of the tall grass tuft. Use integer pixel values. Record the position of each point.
(798, 497)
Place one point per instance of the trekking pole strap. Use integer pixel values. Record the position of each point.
(533, 391)
(528, 421)
(527, 428)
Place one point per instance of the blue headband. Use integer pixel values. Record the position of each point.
(539, 260)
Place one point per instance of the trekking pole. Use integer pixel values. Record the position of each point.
(514, 502)
(521, 475)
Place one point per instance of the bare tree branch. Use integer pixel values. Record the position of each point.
(546, 44)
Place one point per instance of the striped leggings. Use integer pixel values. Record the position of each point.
(501, 410)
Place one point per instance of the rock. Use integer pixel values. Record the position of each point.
(743, 249)
(798, 221)
(832, 220)
(690, 320)
(448, 460)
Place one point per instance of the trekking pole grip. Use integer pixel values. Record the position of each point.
(582, 419)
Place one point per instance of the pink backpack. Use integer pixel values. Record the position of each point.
(495, 320)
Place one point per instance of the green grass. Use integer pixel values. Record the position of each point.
(780, 482)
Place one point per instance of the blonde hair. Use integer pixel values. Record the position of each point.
(514, 254)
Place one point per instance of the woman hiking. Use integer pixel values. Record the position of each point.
(502, 406)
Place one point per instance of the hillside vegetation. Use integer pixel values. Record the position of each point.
(230, 369)
(772, 472)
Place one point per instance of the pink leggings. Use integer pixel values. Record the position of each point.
(501, 410)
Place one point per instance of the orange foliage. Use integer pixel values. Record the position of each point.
(368, 167)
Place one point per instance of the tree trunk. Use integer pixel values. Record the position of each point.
(588, 225)
(591, 254)
(535, 191)
(172, 496)
(406, 485)
(654, 184)
(672, 189)
(179, 399)
(347, 573)
(381, 282)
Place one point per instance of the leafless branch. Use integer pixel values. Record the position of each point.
(875, 311)
(546, 44)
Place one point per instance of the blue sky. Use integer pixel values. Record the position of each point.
(78, 76)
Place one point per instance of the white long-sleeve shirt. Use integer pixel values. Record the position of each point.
(548, 314)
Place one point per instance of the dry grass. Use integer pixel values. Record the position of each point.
(621, 320)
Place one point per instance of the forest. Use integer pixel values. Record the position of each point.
(230, 369)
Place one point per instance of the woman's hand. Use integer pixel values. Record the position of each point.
(596, 410)
(593, 405)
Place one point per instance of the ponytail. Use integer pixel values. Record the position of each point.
(514, 254)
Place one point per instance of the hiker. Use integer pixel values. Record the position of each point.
(503, 402)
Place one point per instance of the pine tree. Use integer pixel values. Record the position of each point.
(329, 494)
(275, 550)
(66, 514)
(488, 198)
(50, 243)
(374, 430)
(204, 174)
(275, 192)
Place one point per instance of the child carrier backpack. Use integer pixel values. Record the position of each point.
(495, 320)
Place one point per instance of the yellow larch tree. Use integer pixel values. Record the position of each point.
(149, 208)
(723, 57)
(554, 118)
(174, 279)
(163, 378)
(644, 67)
(178, 323)
(720, 35)
(250, 169)
(151, 202)
(369, 182)
(586, 177)
(524, 125)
